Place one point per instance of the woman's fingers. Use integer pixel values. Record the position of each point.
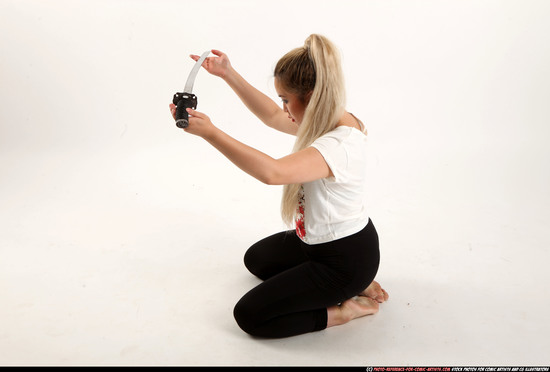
(205, 64)
(216, 65)
(190, 111)
(173, 110)
(195, 58)
(217, 52)
(196, 114)
(214, 51)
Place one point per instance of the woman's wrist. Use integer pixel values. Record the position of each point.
(212, 134)
(229, 75)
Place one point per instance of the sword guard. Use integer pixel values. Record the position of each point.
(183, 101)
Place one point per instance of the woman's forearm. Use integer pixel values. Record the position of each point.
(259, 104)
(303, 166)
(257, 164)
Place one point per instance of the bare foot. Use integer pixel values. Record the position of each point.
(351, 309)
(376, 292)
(359, 306)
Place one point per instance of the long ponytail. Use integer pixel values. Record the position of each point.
(312, 69)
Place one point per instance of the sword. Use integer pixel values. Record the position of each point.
(187, 99)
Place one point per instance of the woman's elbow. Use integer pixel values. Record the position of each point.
(271, 178)
(267, 180)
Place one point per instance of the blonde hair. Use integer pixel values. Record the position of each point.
(313, 71)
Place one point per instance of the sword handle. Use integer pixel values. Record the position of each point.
(182, 102)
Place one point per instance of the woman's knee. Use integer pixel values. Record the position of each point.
(244, 316)
(253, 261)
(274, 254)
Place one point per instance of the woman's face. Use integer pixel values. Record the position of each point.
(292, 104)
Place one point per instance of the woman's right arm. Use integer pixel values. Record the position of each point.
(257, 102)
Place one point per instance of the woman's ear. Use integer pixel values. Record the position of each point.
(308, 97)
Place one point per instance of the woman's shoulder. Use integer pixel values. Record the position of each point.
(351, 121)
(340, 137)
(346, 133)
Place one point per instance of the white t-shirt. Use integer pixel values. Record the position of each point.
(335, 207)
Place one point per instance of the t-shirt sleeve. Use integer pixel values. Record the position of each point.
(334, 152)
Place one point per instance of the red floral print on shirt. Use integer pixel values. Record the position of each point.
(300, 225)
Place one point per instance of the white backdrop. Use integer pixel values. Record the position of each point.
(105, 203)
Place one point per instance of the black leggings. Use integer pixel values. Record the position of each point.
(301, 281)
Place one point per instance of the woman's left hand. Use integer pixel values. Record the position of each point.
(199, 123)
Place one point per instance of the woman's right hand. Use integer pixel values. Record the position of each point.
(218, 66)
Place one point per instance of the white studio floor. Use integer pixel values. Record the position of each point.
(110, 260)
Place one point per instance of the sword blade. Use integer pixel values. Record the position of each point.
(191, 78)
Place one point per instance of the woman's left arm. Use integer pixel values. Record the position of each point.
(303, 166)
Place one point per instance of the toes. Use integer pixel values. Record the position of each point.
(375, 292)
(367, 304)
(370, 306)
(381, 296)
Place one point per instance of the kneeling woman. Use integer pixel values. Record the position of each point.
(322, 273)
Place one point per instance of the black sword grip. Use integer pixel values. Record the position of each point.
(182, 117)
(182, 102)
